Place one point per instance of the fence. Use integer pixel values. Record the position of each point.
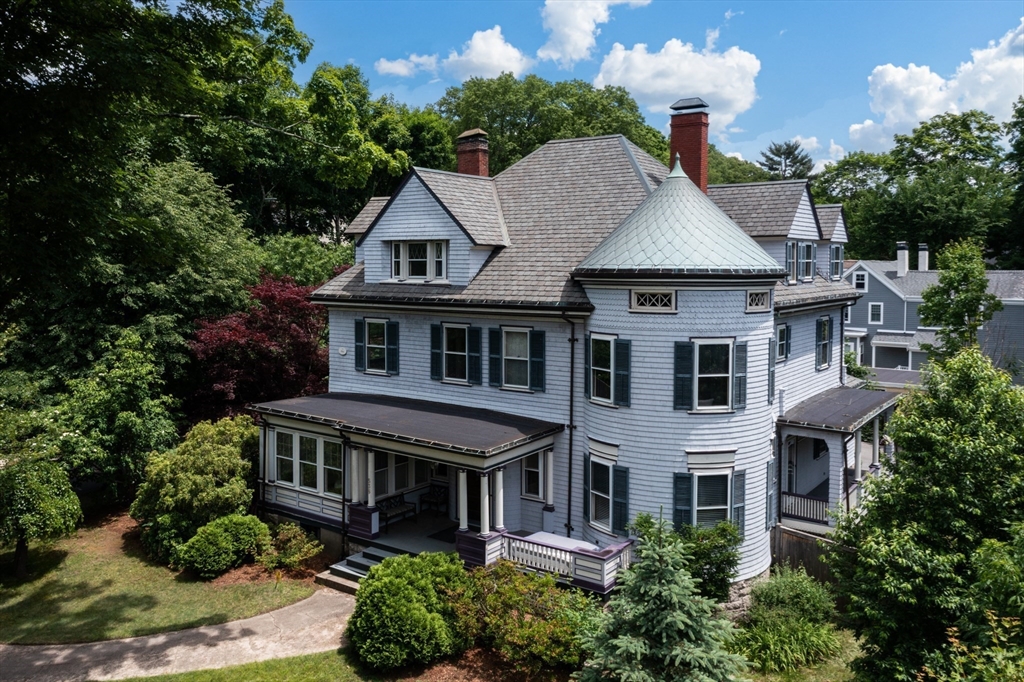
(797, 548)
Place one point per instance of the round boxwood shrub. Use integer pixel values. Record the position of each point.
(403, 614)
(223, 544)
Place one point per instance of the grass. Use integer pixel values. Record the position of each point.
(330, 666)
(833, 670)
(99, 585)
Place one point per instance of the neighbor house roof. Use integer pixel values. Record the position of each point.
(370, 211)
(911, 340)
(678, 230)
(1004, 284)
(762, 209)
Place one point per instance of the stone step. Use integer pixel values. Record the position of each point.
(328, 579)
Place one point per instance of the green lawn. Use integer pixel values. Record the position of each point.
(99, 585)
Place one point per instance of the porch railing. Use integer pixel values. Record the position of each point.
(595, 570)
(804, 508)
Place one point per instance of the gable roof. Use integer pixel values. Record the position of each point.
(830, 217)
(473, 202)
(365, 217)
(679, 230)
(762, 209)
(1004, 284)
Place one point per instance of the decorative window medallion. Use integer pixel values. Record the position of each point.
(652, 301)
(759, 301)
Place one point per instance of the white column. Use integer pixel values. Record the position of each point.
(356, 475)
(856, 455)
(499, 500)
(874, 443)
(485, 505)
(463, 501)
(549, 479)
(371, 488)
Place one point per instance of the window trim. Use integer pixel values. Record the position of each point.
(881, 312)
(610, 465)
(505, 358)
(277, 458)
(863, 277)
(367, 321)
(323, 459)
(781, 344)
(445, 326)
(835, 273)
(315, 463)
(805, 263)
(296, 462)
(697, 343)
(403, 261)
(539, 497)
(610, 400)
(634, 307)
(825, 343)
(846, 314)
(697, 475)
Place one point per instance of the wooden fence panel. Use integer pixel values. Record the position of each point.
(797, 548)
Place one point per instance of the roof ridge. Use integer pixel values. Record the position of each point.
(459, 175)
(635, 163)
(763, 182)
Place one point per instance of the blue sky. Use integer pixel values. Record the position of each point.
(837, 75)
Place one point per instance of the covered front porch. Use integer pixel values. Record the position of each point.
(828, 445)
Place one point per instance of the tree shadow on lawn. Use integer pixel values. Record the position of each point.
(42, 560)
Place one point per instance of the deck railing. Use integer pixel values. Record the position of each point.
(594, 570)
(804, 508)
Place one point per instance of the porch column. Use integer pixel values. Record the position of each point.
(353, 475)
(485, 505)
(371, 487)
(463, 501)
(874, 443)
(499, 500)
(856, 455)
(549, 480)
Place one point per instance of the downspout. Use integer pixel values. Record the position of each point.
(347, 443)
(572, 421)
(263, 464)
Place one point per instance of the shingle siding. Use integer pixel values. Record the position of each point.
(797, 377)
(804, 226)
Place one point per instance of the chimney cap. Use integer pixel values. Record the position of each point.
(688, 103)
(901, 246)
(472, 133)
(922, 247)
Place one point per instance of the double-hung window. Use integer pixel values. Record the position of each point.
(860, 281)
(783, 341)
(516, 358)
(875, 313)
(710, 375)
(605, 494)
(602, 367)
(419, 261)
(401, 472)
(706, 498)
(607, 367)
(836, 261)
(376, 349)
(312, 462)
(334, 458)
(456, 353)
(533, 476)
(823, 342)
(380, 474)
(285, 455)
(376, 343)
(806, 260)
(307, 462)
(600, 493)
(714, 373)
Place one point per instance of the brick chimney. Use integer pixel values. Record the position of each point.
(471, 150)
(922, 256)
(689, 139)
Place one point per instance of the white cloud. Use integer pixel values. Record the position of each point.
(572, 25)
(725, 80)
(808, 143)
(905, 96)
(729, 14)
(487, 54)
(404, 68)
(735, 155)
(835, 151)
(710, 38)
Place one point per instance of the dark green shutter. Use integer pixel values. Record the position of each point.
(620, 500)
(814, 259)
(739, 375)
(790, 248)
(586, 486)
(739, 501)
(537, 352)
(474, 340)
(682, 500)
(769, 509)
(771, 371)
(789, 339)
(360, 346)
(621, 396)
(683, 384)
(391, 347)
(586, 365)
(494, 354)
(817, 341)
(830, 326)
(435, 352)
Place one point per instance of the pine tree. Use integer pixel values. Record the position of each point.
(658, 627)
(786, 161)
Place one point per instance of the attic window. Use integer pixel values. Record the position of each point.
(759, 301)
(419, 261)
(652, 301)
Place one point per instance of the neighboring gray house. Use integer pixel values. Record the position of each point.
(884, 329)
(522, 364)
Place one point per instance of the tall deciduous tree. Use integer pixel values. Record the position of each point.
(1007, 240)
(903, 560)
(658, 628)
(960, 303)
(786, 161)
(726, 170)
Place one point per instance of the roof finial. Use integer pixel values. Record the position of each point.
(677, 169)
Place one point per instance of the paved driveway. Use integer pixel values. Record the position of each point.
(312, 625)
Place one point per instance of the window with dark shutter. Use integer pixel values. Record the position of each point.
(620, 500)
(814, 259)
(435, 352)
(772, 345)
(682, 500)
(494, 341)
(391, 340)
(739, 495)
(474, 341)
(537, 360)
(360, 346)
(739, 376)
(791, 261)
(829, 360)
(622, 352)
(789, 339)
(770, 506)
(586, 486)
(586, 366)
(683, 384)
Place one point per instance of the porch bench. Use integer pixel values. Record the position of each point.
(436, 497)
(395, 506)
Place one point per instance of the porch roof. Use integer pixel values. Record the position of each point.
(839, 409)
(465, 430)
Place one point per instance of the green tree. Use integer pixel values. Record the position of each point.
(727, 170)
(786, 161)
(1006, 243)
(658, 628)
(970, 138)
(204, 478)
(36, 503)
(902, 561)
(960, 303)
(305, 259)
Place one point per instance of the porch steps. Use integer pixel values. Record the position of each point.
(358, 565)
(327, 579)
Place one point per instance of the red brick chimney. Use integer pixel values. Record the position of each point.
(689, 139)
(471, 150)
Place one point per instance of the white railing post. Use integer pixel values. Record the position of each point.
(549, 480)
(463, 501)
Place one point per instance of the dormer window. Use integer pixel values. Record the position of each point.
(419, 261)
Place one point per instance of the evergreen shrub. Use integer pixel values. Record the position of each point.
(223, 544)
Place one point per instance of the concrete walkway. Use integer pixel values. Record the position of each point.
(312, 625)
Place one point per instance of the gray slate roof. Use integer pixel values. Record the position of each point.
(839, 409)
(472, 200)
(679, 230)
(816, 291)
(829, 216)
(358, 226)
(912, 340)
(762, 209)
(1004, 284)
